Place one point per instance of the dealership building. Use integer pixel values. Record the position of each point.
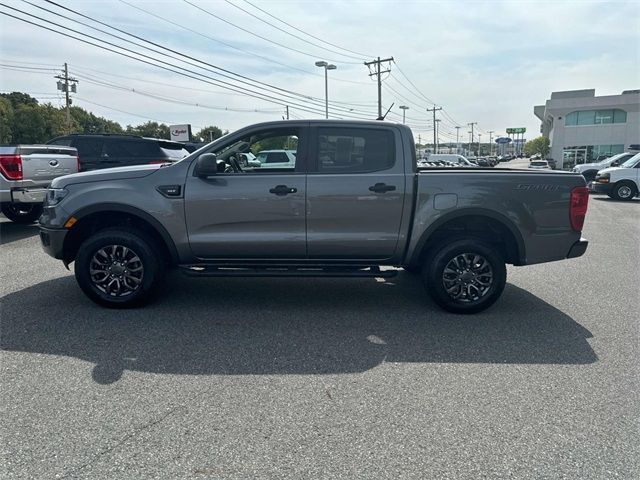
(581, 127)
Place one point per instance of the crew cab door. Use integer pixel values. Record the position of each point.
(248, 211)
(355, 193)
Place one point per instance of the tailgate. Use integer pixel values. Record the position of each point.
(43, 163)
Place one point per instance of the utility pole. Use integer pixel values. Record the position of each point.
(63, 84)
(457, 139)
(287, 107)
(434, 110)
(437, 134)
(471, 125)
(378, 73)
(469, 144)
(490, 144)
(479, 143)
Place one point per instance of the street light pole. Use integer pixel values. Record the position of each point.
(404, 110)
(326, 67)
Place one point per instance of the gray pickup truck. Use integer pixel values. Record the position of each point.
(25, 173)
(353, 201)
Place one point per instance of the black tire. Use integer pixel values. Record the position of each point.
(24, 213)
(471, 279)
(624, 190)
(134, 288)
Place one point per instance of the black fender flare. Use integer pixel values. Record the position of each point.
(124, 208)
(471, 212)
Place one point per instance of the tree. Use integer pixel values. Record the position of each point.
(209, 134)
(28, 125)
(150, 129)
(539, 145)
(19, 98)
(6, 120)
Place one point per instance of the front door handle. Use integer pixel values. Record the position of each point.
(382, 188)
(282, 190)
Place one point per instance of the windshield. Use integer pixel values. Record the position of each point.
(631, 162)
(610, 160)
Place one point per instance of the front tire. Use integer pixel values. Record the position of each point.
(624, 191)
(23, 213)
(119, 268)
(465, 276)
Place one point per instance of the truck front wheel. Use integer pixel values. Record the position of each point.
(24, 213)
(465, 276)
(624, 190)
(119, 268)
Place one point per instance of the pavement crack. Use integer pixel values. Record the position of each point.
(122, 441)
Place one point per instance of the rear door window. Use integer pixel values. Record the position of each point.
(354, 150)
(88, 147)
(132, 149)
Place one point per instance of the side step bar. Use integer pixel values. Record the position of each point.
(285, 271)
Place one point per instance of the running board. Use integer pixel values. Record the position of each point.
(284, 271)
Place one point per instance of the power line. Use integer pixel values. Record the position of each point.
(261, 37)
(226, 73)
(182, 71)
(292, 34)
(306, 33)
(247, 52)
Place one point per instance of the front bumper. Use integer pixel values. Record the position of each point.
(52, 240)
(25, 195)
(596, 187)
(578, 248)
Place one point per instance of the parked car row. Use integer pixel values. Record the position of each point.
(621, 182)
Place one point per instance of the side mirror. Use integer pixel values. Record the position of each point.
(206, 165)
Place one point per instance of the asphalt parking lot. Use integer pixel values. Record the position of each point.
(326, 378)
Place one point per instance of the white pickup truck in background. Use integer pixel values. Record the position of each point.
(25, 173)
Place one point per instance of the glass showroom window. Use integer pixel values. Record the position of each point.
(595, 117)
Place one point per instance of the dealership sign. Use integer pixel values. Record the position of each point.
(502, 140)
(516, 130)
(180, 133)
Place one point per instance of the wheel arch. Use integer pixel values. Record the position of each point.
(98, 217)
(456, 223)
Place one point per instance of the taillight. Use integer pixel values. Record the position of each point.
(11, 166)
(578, 207)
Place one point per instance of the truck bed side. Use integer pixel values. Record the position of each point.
(529, 209)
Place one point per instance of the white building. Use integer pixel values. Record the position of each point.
(581, 126)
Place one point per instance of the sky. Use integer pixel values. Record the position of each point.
(488, 62)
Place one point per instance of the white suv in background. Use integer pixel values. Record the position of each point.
(621, 183)
(589, 170)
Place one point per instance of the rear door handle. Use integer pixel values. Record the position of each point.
(382, 188)
(282, 190)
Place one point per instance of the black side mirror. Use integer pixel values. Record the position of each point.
(206, 165)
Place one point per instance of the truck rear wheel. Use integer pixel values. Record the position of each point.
(23, 213)
(465, 276)
(119, 268)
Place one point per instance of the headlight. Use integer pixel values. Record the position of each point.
(604, 178)
(55, 195)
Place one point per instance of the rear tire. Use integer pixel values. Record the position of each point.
(119, 268)
(23, 213)
(624, 190)
(465, 276)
